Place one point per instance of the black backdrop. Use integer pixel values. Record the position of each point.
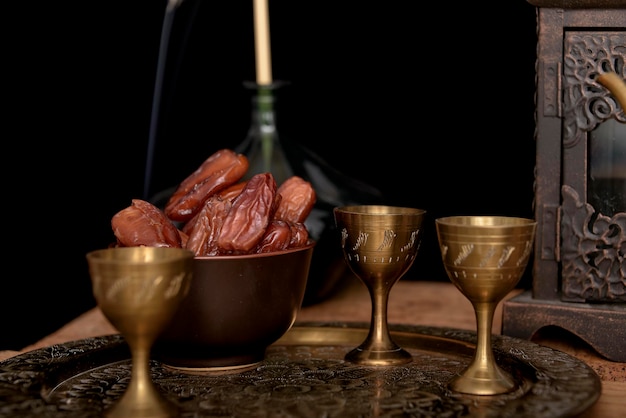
(435, 105)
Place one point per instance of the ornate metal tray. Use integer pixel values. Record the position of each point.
(304, 375)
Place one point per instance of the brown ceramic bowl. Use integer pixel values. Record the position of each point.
(236, 307)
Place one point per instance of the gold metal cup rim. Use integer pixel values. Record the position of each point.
(138, 255)
(379, 210)
(484, 221)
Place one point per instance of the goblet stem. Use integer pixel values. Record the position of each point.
(379, 348)
(379, 338)
(141, 398)
(484, 322)
(483, 376)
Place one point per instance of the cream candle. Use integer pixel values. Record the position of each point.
(262, 43)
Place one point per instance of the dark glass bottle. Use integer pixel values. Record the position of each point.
(267, 151)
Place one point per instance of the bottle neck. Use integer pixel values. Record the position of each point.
(262, 144)
(263, 115)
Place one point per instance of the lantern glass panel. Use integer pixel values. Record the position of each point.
(606, 190)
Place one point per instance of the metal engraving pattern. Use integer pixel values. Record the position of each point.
(360, 250)
(305, 375)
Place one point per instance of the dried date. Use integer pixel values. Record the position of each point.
(221, 170)
(142, 223)
(277, 237)
(233, 191)
(207, 226)
(299, 235)
(297, 200)
(249, 215)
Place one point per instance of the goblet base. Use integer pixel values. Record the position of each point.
(142, 405)
(238, 368)
(379, 357)
(478, 381)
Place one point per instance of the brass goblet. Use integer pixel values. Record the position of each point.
(485, 257)
(379, 244)
(139, 290)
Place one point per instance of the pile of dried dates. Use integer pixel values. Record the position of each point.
(221, 214)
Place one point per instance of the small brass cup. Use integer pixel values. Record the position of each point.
(485, 257)
(139, 290)
(379, 244)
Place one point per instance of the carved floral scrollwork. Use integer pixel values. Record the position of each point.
(593, 251)
(586, 103)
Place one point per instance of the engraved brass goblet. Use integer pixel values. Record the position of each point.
(485, 257)
(379, 244)
(139, 290)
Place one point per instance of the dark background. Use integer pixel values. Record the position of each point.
(435, 105)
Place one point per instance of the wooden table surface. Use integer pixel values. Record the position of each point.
(436, 304)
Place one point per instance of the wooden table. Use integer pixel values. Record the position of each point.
(437, 304)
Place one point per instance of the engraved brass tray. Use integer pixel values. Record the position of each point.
(304, 375)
